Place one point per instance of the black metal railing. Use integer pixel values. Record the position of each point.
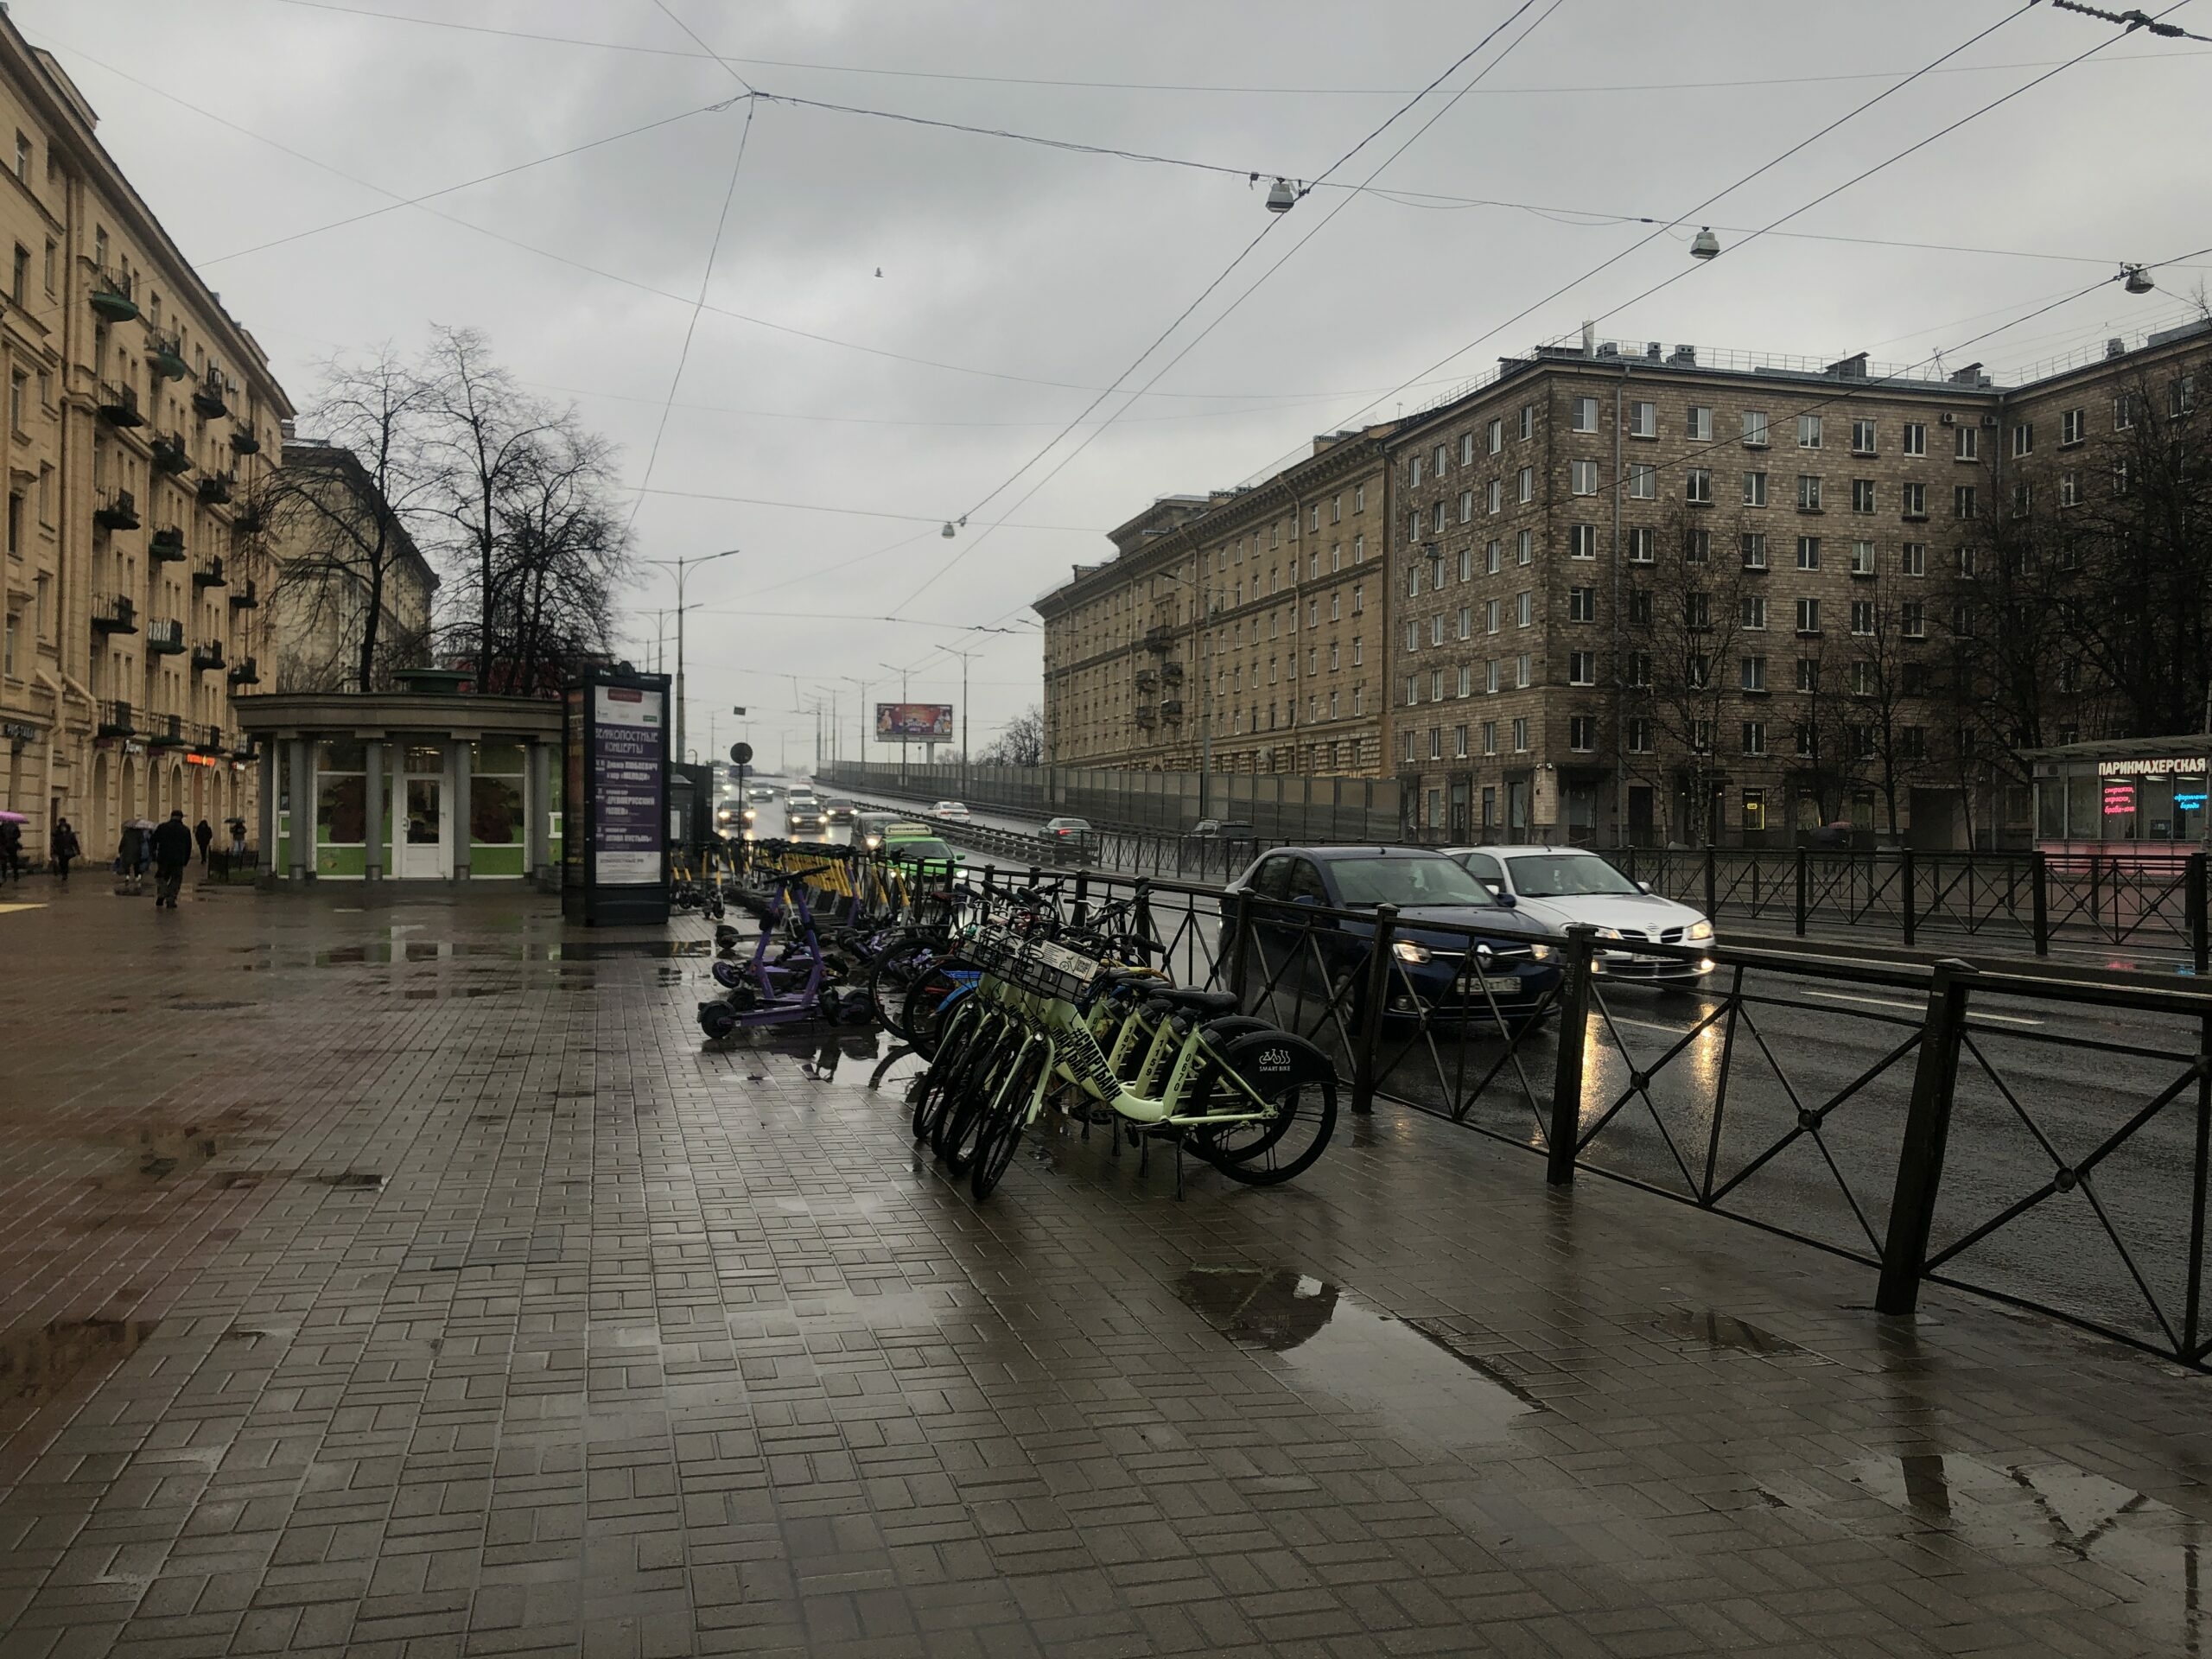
(117, 613)
(117, 510)
(115, 719)
(2039, 1137)
(118, 405)
(164, 637)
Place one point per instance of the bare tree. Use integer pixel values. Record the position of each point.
(1690, 605)
(338, 508)
(1823, 768)
(1021, 742)
(1891, 680)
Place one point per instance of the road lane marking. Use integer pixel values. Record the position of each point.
(1920, 1008)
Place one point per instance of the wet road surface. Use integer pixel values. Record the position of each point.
(403, 1277)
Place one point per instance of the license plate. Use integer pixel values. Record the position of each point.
(1497, 984)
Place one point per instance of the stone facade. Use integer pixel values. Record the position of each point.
(1248, 622)
(332, 540)
(141, 414)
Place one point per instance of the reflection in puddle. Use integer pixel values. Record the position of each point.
(621, 949)
(1329, 1342)
(37, 1361)
(2058, 1508)
(1717, 1330)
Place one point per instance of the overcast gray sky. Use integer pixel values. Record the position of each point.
(1030, 278)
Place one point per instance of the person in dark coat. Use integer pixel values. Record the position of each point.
(66, 847)
(172, 857)
(11, 850)
(203, 833)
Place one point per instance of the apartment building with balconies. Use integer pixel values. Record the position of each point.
(140, 416)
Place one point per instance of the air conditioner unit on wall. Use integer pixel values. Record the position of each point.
(1947, 418)
(1989, 420)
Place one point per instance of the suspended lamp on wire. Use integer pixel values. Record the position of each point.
(1283, 196)
(2136, 279)
(948, 532)
(1705, 244)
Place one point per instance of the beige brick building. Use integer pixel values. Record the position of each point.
(1634, 587)
(1247, 623)
(341, 555)
(140, 416)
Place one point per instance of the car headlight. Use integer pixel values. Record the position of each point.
(1608, 932)
(1698, 932)
(1408, 950)
(1540, 952)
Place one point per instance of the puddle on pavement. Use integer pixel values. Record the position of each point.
(35, 1362)
(2061, 1510)
(444, 993)
(351, 1181)
(158, 1154)
(1400, 1371)
(627, 949)
(1715, 1330)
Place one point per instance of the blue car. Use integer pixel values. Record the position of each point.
(1503, 959)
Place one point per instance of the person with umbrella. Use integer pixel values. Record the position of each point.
(66, 847)
(172, 849)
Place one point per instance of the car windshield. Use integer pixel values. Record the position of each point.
(933, 851)
(1437, 880)
(1566, 876)
(1068, 823)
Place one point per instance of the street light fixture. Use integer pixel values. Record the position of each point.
(1705, 244)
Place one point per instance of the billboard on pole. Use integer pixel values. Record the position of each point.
(919, 722)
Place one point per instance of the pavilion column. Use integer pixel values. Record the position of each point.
(462, 822)
(535, 816)
(376, 843)
(267, 813)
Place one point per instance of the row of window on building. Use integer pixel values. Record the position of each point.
(1861, 740)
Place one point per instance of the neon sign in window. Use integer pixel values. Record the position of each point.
(2118, 798)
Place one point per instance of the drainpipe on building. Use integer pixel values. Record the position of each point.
(1620, 701)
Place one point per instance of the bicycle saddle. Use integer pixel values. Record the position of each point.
(1199, 1002)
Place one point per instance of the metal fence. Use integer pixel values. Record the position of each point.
(2036, 1139)
(2028, 898)
(1282, 806)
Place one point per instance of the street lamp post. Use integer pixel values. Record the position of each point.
(967, 765)
(860, 714)
(902, 674)
(682, 566)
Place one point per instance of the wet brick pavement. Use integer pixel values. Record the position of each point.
(398, 1281)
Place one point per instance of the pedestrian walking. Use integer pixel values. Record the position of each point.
(11, 849)
(65, 847)
(172, 849)
(203, 834)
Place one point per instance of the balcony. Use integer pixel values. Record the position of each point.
(209, 574)
(242, 747)
(111, 299)
(208, 739)
(165, 638)
(215, 488)
(115, 615)
(1147, 679)
(168, 356)
(115, 719)
(244, 599)
(118, 510)
(169, 453)
(244, 443)
(1160, 639)
(1146, 716)
(207, 657)
(119, 406)
(1172, 708)
(165, 731)
(246, 672)
(207, 400)
(248, 520)
(1171, 673)
(166, 545)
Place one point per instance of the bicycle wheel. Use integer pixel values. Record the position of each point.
(892, 971)
(922, 1008)
(931, 1088)
(959, 1134)
(1007, 1117)
(1277, 1148)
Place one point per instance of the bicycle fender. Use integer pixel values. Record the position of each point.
(1270, 1055)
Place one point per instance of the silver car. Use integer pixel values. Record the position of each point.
(1566, 887)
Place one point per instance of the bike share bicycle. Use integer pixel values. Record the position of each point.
(1070, 1020)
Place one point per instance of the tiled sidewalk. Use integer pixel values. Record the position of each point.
(405, 1280)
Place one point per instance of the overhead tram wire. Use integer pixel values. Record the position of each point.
(1765, 167)
(706, 279)
(1453, 69)
(1860, 178)
(465, 184)
(638, 48)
